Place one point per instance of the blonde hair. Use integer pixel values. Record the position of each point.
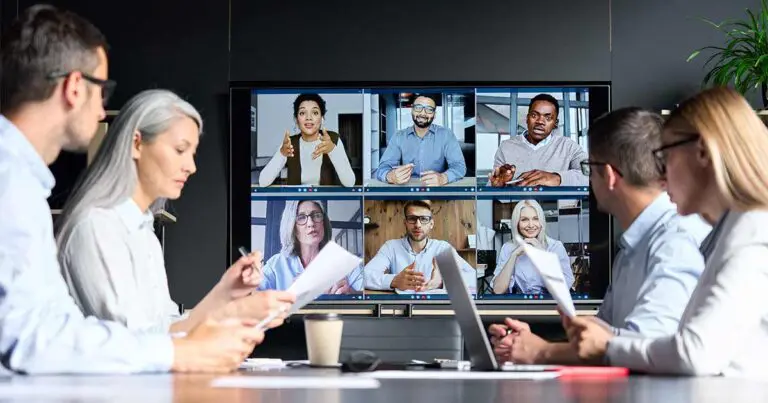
(518, 210)
(736, 140)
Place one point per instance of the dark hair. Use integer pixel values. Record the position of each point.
(545, 98)
(626, 138)
(432, 97)
(308, 97)
(44, 40)
(418, 203)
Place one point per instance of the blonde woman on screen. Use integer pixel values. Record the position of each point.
(514, 271)
(304, 229)
(110, 257)
(713, 150)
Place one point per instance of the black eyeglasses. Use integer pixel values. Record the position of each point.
(423, 219)
(586, 167)
(661, 153)
(419, 107)
(317, 217)
(107, 86)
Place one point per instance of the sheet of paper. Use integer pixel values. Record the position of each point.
(454, 375)
(548, 266)
(332, 264)
(296, 382)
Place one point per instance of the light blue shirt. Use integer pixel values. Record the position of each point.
(397, 254)
(541, 143)
(655, 272)
(525, 274)
(43, 331)
(281, 271)
(437, 151)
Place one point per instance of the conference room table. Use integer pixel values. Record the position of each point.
(197, 388)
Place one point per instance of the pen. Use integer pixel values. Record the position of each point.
(244, 253)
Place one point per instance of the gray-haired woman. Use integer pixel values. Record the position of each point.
(110, 257)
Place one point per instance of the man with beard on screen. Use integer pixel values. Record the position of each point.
(425, 150)
(408, 264)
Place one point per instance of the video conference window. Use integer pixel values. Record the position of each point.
(559, 226)
(291, 232)
(535, 138)
(307, 139)
(422, 138)
(403, 237)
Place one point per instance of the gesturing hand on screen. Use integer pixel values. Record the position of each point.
(432, 178)
(501, 175)
(286, 148)
(341, 287)
(400, 174)
(435, 279)
(408, 279)
(539, 178)
(325, 146)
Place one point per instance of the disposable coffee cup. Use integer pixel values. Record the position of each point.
(323, 332)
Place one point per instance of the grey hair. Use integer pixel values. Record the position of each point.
(111, 178)
(289, 243)
(518, 210)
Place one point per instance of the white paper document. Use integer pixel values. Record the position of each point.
(332, 264)
(296, 382)
(454, 375)
(548, 266)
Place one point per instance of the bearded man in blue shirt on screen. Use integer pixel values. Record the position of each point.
(408, 264)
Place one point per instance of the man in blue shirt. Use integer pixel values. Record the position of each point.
(659, 263)
(425, 151)
(55, 81)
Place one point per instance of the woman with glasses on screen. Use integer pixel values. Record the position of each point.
(713, 152)
(314, 156)
(514, 271)
(110, 257)
(304, 229)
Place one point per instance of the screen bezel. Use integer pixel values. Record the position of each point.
(239, 186)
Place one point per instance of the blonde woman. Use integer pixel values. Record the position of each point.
(514, 271)
(713, 151)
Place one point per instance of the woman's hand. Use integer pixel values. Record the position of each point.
(533, 242)
(286, 148)
(325, 146)
(243, 277)
(341, 287)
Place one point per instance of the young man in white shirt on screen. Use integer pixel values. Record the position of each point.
(659, 263)
(55, 84)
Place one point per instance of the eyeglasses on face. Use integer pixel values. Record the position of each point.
(586, 167)
(426, 108)
(107, 86)
(423, 219)
(661, 153)
(317, 217)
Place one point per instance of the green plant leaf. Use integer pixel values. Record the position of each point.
(694, 54)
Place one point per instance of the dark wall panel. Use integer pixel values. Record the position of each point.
(411, 41)
(651, 41)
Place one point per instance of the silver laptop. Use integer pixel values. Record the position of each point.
(475, 338)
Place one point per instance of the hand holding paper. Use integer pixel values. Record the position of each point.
(548, 266)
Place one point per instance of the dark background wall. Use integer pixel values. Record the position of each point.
(196, 47)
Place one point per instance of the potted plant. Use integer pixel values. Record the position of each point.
(743, 60)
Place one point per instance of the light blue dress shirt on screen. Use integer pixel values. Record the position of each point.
(397, 254)
(526, 276)
(655, 272)
(280, 271)
(42, 330)
(437, 151)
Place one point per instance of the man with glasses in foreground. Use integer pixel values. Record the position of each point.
(408, 264)
(537, 157)
(425, 150)
(659, 262)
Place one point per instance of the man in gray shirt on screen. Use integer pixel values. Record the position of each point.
(538, 157)
(659, 262)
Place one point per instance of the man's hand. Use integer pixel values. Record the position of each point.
(400, 175)
(588, 337)
(432, 178)
(258, 306)
(539, 178)
(241, 278)
(435, 279)
(325, 146)
(502, 336)
(286, 148)
(527, 348)
(215, 346)
(501, 175)
(408, 279)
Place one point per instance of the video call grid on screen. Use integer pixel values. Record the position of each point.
(482, 128)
